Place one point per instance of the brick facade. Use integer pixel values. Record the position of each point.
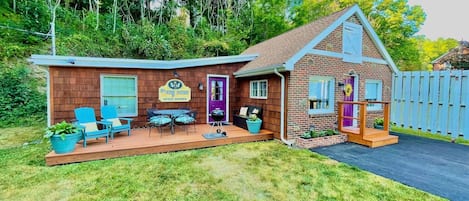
(298, 118)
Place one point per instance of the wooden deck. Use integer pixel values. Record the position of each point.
(140, 143)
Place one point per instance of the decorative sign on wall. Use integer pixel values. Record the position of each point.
(348, 89)
(174, 91)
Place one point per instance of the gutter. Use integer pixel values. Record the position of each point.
(282, 108)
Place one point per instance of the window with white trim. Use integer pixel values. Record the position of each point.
(373, 92)
(352, 42)
(321, 94)
(120, 91)
(258, 89)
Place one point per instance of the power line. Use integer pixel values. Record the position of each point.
(22, 30)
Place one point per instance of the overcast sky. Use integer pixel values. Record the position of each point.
(445, 18)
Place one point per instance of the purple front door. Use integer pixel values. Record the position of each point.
(217, 95)
(348, 96)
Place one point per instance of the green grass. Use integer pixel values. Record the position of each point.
(249, 171)
(447, 138)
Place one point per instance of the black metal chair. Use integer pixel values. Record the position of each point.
(186, 119)
(158, 121)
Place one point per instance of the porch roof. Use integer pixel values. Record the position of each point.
(75, 61)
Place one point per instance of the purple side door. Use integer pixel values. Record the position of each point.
(348, 108)
(217, 95)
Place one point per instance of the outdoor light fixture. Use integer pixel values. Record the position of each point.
(341, 85)
(201, 86)
(176, 75)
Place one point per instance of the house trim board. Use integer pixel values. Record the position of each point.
(341, 56)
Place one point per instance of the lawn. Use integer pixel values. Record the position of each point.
(249, 171)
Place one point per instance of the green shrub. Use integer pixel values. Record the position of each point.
(20, 101)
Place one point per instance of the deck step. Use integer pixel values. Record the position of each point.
(373, 141)
(382, 141)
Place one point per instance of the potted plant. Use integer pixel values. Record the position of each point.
(254, 124)
(379, 123)
(63, 137)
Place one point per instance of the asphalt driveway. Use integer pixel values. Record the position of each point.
(437, 167)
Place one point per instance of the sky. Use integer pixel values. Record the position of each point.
(445, 19)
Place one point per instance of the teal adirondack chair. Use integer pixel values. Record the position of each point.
(86, 120)
(109, 114)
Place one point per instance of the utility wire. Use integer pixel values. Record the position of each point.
(31, 32)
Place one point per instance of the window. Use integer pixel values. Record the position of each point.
(373, 92)
(120, 91)
(321, 94)
(352, 42)
(217, 90)
(259, 89)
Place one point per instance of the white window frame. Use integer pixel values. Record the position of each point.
(258, 90)
(103, 76)
(352, 43)
(379, 94)
(331, 93)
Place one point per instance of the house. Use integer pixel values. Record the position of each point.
(456, 58)
(308, 69)
(296, 78)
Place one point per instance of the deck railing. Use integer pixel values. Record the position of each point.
(362, 114)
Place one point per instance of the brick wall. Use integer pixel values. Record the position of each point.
(74, 87)
(298, 120)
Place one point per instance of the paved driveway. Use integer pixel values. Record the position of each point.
(437, 167)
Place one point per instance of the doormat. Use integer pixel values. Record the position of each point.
(211, 136)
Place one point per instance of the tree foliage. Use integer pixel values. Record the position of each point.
(180, 29)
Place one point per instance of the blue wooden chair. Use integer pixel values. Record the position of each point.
(86, 121)
(109, 114)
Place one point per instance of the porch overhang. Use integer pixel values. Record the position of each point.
(74, 61)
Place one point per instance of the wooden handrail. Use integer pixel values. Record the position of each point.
(363, 112)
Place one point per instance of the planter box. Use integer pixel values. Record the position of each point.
(321, 141)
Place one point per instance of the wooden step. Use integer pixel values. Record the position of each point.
(375, 133)
(382, 141)
(373, 141)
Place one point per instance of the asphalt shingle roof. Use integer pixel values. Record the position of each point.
(276, 51)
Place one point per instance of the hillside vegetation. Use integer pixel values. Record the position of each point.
(169, 29)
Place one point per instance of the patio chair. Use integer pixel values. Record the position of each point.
(109, 114)
(86, 121)
(159, 121)
(186, 119)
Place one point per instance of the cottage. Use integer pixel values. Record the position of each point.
(296, 78)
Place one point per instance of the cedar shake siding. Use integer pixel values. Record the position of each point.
(270, 106)
(73, 87)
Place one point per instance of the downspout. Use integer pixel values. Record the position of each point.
(48, 95)
(282, 108)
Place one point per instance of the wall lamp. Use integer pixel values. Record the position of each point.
(341, 85)
(175, 73)
(201, 86)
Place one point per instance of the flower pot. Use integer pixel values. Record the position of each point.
(381, 127)
(66, 145)
(254, 126)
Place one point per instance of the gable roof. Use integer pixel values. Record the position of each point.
(283, 51)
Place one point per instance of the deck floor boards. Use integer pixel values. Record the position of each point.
(140, 143)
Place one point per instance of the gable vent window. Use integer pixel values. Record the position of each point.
(352, 42)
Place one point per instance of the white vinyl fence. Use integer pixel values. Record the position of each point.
(435, 101)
